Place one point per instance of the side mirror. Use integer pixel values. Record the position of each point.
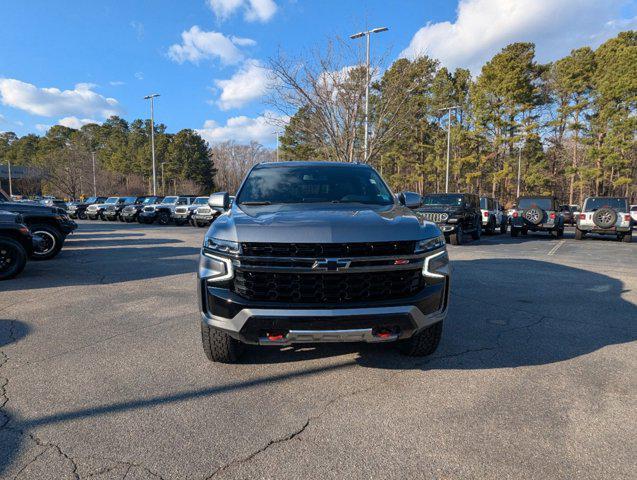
(219, 201)
(410, 199)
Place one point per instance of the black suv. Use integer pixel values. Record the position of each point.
(16, 244)
(130, 212)
(49, 225)
(537, 214)
(112, 212)
(78, 209)
(454, 213)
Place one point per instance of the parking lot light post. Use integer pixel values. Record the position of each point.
(519, 169)
(94, 181)
(367, 35)
(152, 137)
(448, 109)
(10, 179)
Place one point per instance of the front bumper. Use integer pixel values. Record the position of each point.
(604, 231)
(180, 216)
(377, 321)
(542, 227)
(447, 228)
(148, 215)
(203, 218)
(67, 226)
(111, 213)
(128, 214)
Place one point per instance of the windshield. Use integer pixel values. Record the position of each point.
(90, 200)
(201, 201)
(593, 204)
(129, 199)
(149, 200)
(111, 200)
(314, 184)
(169, 200)
(543, 203)
(455, 200)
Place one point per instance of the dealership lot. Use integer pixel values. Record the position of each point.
(104, 376)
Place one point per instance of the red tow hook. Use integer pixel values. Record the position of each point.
(275, 337)
(384, 334)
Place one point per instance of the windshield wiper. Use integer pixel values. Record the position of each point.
(256, 203)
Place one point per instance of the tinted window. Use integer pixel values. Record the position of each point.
(315, 184)
(455, 200)
(128, 200)
(593, 204)
(111, 200)
(90, 200)
(201, 201)
(633, 208)
(543, 203)
(150, 200)
(170, 200)
(486, 203)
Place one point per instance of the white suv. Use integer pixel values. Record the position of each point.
(605, 215)
(493, 216)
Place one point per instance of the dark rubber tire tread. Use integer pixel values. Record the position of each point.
(422, 343)
(219, 346)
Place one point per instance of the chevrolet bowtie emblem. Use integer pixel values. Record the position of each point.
(331, 264)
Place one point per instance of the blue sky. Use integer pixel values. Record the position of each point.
(73, 61)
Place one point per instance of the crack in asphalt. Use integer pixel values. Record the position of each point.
(324, 407)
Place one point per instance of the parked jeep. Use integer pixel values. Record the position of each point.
(607, 216)
(96, 210)
(203, 216)
(78, 209)
(16, 244)
(130, 212)
(162, 212)
(112, 212)
(49, 226)
(455, 214)
(569, 213)
(183, 213)
(493, 216)
(315, 252)
(537, 214)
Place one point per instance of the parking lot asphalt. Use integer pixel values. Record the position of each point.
(103, 376)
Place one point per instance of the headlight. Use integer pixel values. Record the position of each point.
(214, 269)
(430, 244)
(222, 246)
(437, 265)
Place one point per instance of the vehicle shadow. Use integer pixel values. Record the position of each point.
(11, 331)
(82, 242)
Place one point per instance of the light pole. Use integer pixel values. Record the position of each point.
(277, 145)
(519, 169)
(449, 109)
(367, 34)
(163, 184)
(10, 180)
(151, 97)
(94, 182)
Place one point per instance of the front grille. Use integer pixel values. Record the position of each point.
(203, 210)
(129, 208)
(436, 217)
(149, 209)
(181, 210)
(92, 208)
(327, 287)
(324, 250)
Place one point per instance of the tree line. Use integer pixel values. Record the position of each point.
(571, 124)
(63, 161)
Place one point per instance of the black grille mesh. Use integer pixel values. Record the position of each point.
(323, 250)
(327, 287)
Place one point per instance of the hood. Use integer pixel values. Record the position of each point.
(439, 209)
(321, 223)
(19, 207)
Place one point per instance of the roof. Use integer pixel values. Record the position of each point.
(309, 164)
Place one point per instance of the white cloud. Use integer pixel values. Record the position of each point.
(243, 42)
(483, 27)
(198, 45)
(240, 129)
(49, 102)
(139, 75)
(116, 83)
(253, 10)
(250, 82)
(74, 122)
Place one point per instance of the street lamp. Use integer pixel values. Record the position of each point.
(367, 34)
(151, 97)
(449, 109)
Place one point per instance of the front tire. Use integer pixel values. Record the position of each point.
(219, 346)
(81, 216)
(478, 231)
(503, 229)
(163, 218)
(422, 343)
(514, 232)
(13, 258)
(456, 237)
(51, 241)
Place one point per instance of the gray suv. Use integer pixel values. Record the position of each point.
(320, 252)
